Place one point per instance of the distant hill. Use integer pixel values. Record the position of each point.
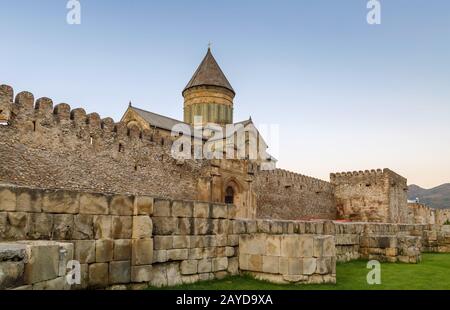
(437, 197)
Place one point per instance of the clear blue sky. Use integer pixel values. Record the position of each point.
(347, 95)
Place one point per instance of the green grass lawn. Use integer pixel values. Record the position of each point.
(433, 273)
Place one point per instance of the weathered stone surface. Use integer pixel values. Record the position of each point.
(219, 263)
(163, 242)
(177, 254)
(188, 267)
(233, 266)
(121, 205)
(7, 199)
(41, 265)
(164, 225)
(309, 265)
(201, 226)
(204, 265)
(181, 242)
(66, 254)
(159, 256)
(159, 275)
(161, 208)
(190, 279)
(253, 244)
(273, 246)
(102, 226)
(84, 251)
(143, 205)
(182, 209)
(142, 252)
(119, 272)
(173, 274)
(63, 226)
(324, 265)
(142, 227)
(233, 240)
(122, 249)
(122, 227)
(19, 225)
(104, 250)
(229, 251)
(185, 226)
(98, 275)
(60, 201)
(141, 273)
(28, 200)
(41, 225)
(201, 209)
(324, 246)
(270, 264)
(84, 279)
(83, 227)
(11, 273)
(93, 204)
(219, 211)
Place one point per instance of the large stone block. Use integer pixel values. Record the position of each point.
(122, 249)
(273, 246)
(28, 200)
(254, 263)
(324, 246)
(143, 205)
(309, 265)
(104, 250)
(63, 226)
(188, 267)
(177, 254)
(98, 275)
(233, 266)
(41, 225)
(121, 205)
(142, 252)
(324, 265)
(7, 199)
(204, 265)
(219, 264)
(61, 201)
(141, 274)
(253, 244)
(219, 211)
(119, 272)
(43, 262)
(11, 274)
(57, 284)
(142, 227)
(185, 226)
(182, 209)
(164, 225)
(159, 275)
(270, 264)
(161, 207)
(181, 242)
(66, 254)
(84, 251)
(163, 242)
(121, 227)
(93, 204)
(173, 274)
(159, 256)
(83, 227)
(3, 225)
(201, 209)
(18, 225)
(102, 226)
(201, 226)
(233, 240)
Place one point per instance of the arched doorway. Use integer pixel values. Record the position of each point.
(229, 195)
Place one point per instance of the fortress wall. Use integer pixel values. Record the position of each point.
(131, 241)
(283, 194)
(373, 196)
(59, 147)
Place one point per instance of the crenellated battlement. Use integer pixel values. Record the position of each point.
(288, 178)
(24, 112)
(358, 176)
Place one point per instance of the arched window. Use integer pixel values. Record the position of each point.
(229, 195)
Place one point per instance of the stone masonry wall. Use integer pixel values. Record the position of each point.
(283, 194)
(56, 147)
(371, 196)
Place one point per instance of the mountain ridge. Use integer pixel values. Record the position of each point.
(437, 197)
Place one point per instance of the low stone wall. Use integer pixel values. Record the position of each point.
(288, 258)
(35, 265)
